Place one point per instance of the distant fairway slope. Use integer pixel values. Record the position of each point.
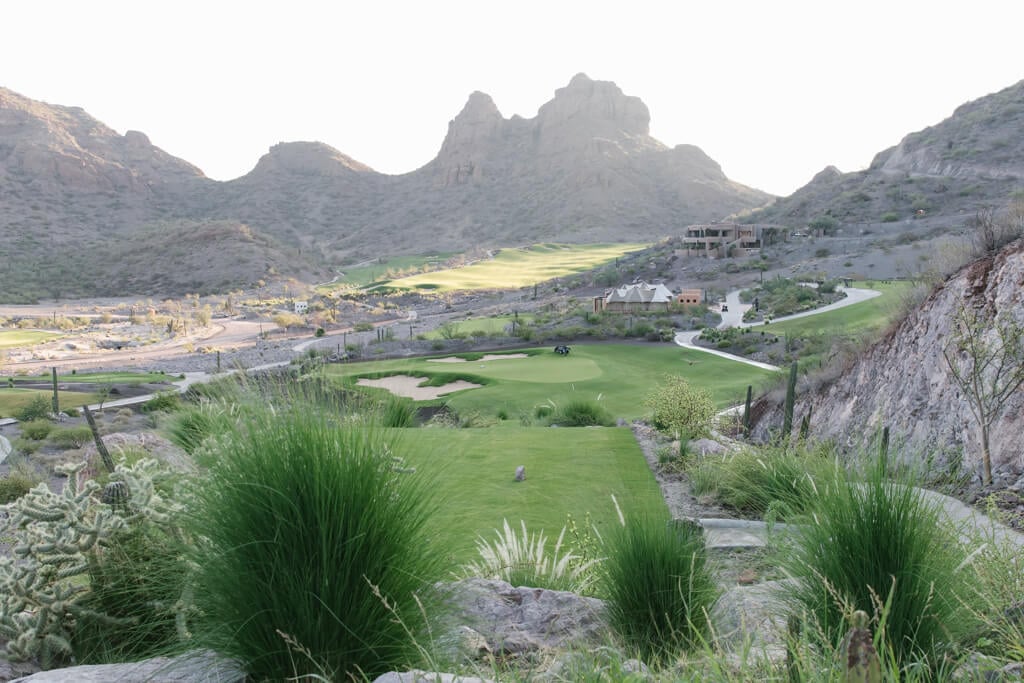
(516, 267)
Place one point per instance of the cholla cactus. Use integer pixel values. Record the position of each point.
(55, 535)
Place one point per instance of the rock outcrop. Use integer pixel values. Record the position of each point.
(903, 381)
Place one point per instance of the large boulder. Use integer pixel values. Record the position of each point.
(519, 620)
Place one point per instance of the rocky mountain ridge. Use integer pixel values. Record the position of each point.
(973, 158)
(903, 381)
(585, 169)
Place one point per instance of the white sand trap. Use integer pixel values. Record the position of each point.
(490, 356)
(404, 385)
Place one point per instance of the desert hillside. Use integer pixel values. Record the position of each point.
(77, 196)
(973, 158)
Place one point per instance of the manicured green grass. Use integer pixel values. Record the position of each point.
(519, 267)
(568, 471)
(17, 338)
(494, 325)
(868, 316)
(618, 376)
(360, 276)
(11, 400)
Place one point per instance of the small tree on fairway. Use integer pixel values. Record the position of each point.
(986, 359)
(680, 408)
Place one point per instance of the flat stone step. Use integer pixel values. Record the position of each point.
(731, 539)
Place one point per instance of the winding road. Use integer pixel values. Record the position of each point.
(734, 318)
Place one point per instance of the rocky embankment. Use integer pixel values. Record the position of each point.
(904, 381)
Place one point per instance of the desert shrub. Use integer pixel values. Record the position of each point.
(15, 485)
(880, 546)
(37, 430)
(524, 560)
(167, 401)
(71, 437)
(781, 480)
(657, 586)
(890, 217)
(583, 413)
(311, 535)
(36, 409)
(679, 408)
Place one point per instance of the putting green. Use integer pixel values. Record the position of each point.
(542, 369)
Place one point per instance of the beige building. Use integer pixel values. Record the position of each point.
(640, 297)
(721, 240)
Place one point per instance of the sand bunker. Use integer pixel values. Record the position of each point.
(404, 385)
(490, 356)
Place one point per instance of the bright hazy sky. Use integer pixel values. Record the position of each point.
(774, 90)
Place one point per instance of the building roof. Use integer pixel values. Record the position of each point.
(640, 292)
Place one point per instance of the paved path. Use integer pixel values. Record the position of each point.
(734, 318)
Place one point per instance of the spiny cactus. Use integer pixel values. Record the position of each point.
(861, 664)
(787, 412)
(55, 536)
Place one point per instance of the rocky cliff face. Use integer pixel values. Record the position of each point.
(903, 382)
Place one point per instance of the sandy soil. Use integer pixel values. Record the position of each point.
(490, 356)
(404, 385)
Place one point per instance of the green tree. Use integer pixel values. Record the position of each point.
(680, 408)
(826, 224)
(985, 356)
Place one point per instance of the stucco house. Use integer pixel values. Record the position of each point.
(636, 297)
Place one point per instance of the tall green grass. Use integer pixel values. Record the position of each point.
(881, 547)
(583, 413)
(780, 480)
(312, 542)
(658, 587)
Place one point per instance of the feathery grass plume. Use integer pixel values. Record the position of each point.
(880, 546)
(524, 560)
(658, 587)
(300, 512)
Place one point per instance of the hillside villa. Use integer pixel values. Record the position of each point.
(721, 240)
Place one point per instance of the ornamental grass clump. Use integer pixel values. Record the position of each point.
(769, 479)
(882, 547)
(583, 413)
(524, 560)
(658, 587)
(307, 528)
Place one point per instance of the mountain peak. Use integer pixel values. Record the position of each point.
(600, 107)
(308, 158)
